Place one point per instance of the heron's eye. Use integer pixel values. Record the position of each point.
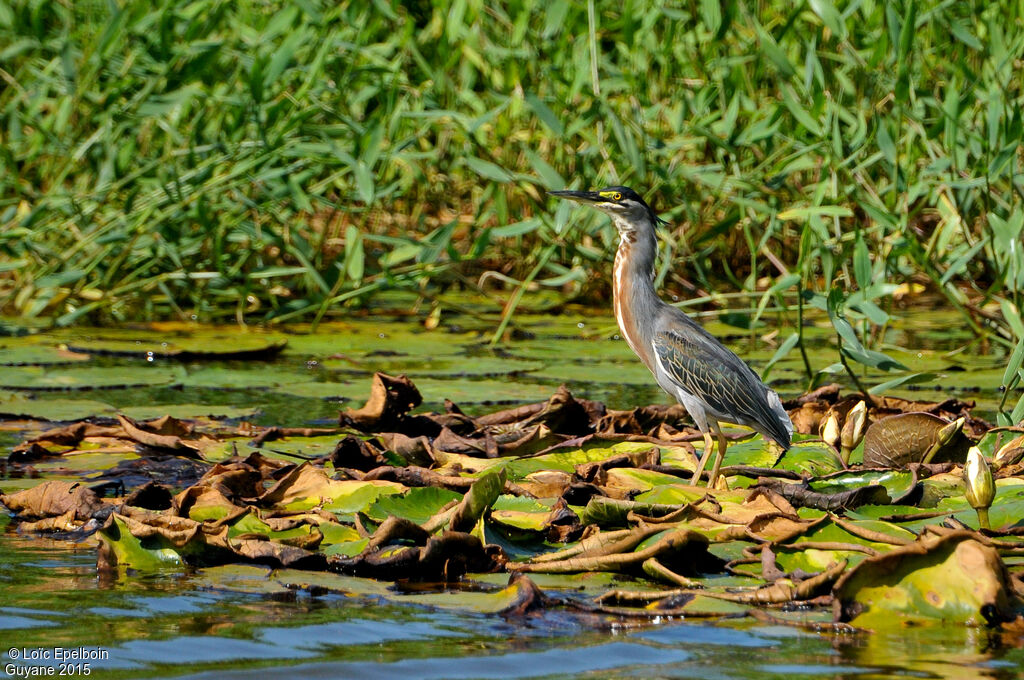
(616, 196)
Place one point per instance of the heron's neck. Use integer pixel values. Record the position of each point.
(634, 298)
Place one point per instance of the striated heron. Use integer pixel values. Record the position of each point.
(710, 381)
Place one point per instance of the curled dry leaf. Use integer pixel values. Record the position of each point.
(391, 397)
(53, 499)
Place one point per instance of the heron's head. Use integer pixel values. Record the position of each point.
(629, 212)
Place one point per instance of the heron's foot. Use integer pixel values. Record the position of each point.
(704, 458)
(715, 480)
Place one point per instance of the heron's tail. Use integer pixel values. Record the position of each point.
(779, 428)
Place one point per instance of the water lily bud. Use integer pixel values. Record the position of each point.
(829, 429)
(981, 487)
(943, 437)
(853, 429)
(1009, 453)
(948, 431)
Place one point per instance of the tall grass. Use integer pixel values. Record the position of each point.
(276, 161)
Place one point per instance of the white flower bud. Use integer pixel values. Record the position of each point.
(981, 487)
(853, 428)
(830, 429)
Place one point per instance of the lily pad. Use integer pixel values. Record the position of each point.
(38, 355)
(418, 504)
(566, 460)
(356, 340)
(189, 411)
(481, 391)
(575, 349)
(907, 437)
(217, 377)
(151, 553)
(415, 367)
(955, 578)
(330, 391)
(53, 410)
(198, 345)
(626, 372)
(37, 378)
(812, 457)
(897, 483)
(671, 494)
(521, 513)
(756, 452)
(306, 487)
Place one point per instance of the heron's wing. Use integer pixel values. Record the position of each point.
(710, 372)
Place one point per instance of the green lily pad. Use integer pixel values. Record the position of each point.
(356, 340)
(331, 391)
(81, 463)
(196, 345)
(189, 411)
(952, 579)
(444, 367)
(242, 578)
(817, 559)
(897, 483)
(757, 452)
(1007, 508)
(153, 553)
(37, 355)
(38, 378)
(349, 548)
(636, 479)
(566, 460)
(626, 372)
(417, 504)
(520, 513)
(302, 447)
(218, 377)
(813, 457)
(473, 600)
(464, 391)
(249, 523)
(575, 349)
(233, 446)
(610, 513)
(307, 487)
(670, 494)
(50, 409)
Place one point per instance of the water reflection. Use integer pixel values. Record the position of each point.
(934, 652)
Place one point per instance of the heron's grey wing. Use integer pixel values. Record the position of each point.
(713, 374)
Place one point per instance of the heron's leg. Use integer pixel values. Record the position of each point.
(719, 455)
(703, 459)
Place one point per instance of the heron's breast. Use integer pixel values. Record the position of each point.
(625, 312)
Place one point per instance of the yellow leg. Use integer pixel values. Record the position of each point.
(719, 456)
(703, 459)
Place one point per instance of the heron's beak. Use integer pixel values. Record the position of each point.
(579, 196)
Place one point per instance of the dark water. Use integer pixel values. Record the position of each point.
(241, 625)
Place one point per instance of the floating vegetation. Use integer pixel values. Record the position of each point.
(551, 493)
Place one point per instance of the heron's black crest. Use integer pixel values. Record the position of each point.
(630, 195)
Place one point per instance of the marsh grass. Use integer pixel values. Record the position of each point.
(272, 161)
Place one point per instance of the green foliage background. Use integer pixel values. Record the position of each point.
(272, 160)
